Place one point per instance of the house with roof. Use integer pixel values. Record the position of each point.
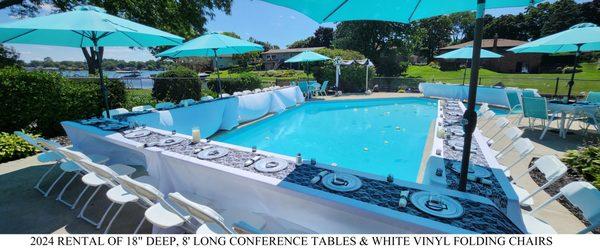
(275, 58)
(509, 63)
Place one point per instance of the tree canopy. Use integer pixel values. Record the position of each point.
(322, 37)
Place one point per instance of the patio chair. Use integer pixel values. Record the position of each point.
(516, 106)
(537, 108)
(209, 218)
(161, 212)
(293, 83)
(142, 108)
(46, 156)
(206, 98)
(552, 168)
(485, 118)
(114, 112)
(529, 93)
(522, 147)
(67, 166)
(323, 89)
(593, 97)
(165, 105)
(582, 195)
(304, 88)
(187, 101)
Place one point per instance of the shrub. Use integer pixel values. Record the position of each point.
(342, 53)
(245, 81)
(13, 147)
(138, 97)
(176, 84)
(586, 161)
(38, 101)
(569, 69)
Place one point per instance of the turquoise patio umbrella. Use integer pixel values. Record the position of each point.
(307, 57)
(466, 53)
(85, 26)
(212, 45)
(583, 37)
(406, 11)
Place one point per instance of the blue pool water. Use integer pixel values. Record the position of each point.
(382, 136)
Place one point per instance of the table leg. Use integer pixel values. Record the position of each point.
(563, 132)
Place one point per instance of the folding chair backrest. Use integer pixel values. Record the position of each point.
(488, 115)
(484, 108)
(188, 101)
(586, 197)
(513, 98)
(501, 122)
(593, 97)
(523, 146)
(140, 189)
(199, 211)
(535, 107)
(48, 144)
(73, 155)
(29, 140)
(100, 170)
(161, 105)
(528, 93)
(512, 133)
(551, 167)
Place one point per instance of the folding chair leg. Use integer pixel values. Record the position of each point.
(39, 182)
(546, 129)
(113, 218)
(79, 196)
(62, 192)
(105, 214)
(53, 184)
(137, 229)
(87, 203)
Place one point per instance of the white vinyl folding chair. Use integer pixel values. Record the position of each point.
(46, 156)
(485, 118)
(511, 134)
(484, 108)
(161, 213)
(499, 124)
(101, 175)
(552, 168)
(212, 222)
(582, 195)
(67, 166)
(522, 147)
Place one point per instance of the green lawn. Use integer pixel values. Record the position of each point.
(588, 79)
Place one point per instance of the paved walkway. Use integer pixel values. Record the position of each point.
(25, 210)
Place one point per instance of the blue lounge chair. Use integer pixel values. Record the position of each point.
(537, 108)
(323, 89)
(187, 101)
(529, 93)
(516, 107)
(304, 88)
(165, 105)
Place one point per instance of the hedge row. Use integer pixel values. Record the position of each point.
(38, 101)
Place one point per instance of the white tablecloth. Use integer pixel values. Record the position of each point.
(256, 105)
(491, 95)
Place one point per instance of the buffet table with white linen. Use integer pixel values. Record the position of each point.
(289, 196)
(491, 95)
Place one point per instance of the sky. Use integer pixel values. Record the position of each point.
(249, 18)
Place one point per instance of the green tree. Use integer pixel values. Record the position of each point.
(385, 43)
(321, 38)
(300, 43)
(562, 15)
(8, 57)
(184, 18)
(232, 34)
(436, 33)
(266, 45)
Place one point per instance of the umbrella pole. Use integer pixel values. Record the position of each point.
(470, 117)
(218, 73)
(367, 76)
(465, 73)
(102, 85)
(572, 82)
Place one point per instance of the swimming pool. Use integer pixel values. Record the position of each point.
(379, 136)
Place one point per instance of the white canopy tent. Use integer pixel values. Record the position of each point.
(338, 62)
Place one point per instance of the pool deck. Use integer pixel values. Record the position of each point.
(25, 210)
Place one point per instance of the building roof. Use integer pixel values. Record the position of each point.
(292, 50)
(488, 43)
